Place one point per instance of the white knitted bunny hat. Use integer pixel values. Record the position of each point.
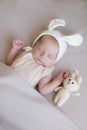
(63, 41)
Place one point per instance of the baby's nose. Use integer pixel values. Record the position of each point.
(43, 55)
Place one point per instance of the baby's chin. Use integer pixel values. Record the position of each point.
(41, 63)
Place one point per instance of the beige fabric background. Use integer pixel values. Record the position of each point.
(26, 19)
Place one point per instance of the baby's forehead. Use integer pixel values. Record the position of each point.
(49, 40)
(48, 37)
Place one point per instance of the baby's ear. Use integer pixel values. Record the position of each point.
(56, 23)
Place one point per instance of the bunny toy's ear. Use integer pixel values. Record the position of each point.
(56, 23)
(73, 40)
(79, 79)
(74, 74)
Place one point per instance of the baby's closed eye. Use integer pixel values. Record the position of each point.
(51, 56)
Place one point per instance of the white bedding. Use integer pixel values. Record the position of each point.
(25, 19)
(23, 108)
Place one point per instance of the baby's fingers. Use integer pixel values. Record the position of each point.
(65, 74)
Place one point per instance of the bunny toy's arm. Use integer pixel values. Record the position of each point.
(75, 93)
(57, 88)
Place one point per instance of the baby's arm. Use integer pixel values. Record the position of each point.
(47, 85)
(17, 45)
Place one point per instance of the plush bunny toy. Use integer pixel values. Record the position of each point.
(70, 86)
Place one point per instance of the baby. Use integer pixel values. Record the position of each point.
(36, 65)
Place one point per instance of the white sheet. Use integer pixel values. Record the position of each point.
(25, 19)
(23, 108)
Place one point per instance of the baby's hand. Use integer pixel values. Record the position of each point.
(65, 74)
(62, 75)
(17, 44)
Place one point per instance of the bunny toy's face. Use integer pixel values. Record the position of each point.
(71, 84)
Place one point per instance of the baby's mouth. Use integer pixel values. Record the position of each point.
(40, 62)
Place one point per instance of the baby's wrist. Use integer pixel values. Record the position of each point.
(58, 81)
(14, 49)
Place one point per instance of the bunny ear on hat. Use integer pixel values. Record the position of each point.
(73, 40)
(56, 23)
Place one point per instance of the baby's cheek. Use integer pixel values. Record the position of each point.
(50, 62)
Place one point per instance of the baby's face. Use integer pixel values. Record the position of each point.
(45, 50)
